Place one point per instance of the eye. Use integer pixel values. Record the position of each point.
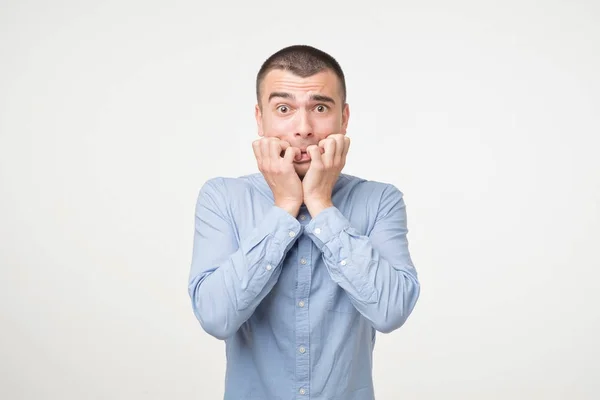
(283, 109)
(321, 108)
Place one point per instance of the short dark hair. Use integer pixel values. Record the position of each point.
(301, 60)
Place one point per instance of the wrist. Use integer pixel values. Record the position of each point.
(291, 207)
(315, 206)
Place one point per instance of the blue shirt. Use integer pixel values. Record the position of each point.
(299, 300)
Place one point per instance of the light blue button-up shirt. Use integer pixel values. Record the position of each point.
(299, 300)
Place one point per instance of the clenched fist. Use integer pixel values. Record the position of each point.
(279, 171)
(327, 161)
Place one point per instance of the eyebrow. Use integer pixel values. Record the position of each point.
(314, 97)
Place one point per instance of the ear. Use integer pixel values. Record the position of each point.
(258, 116)
(345, 118)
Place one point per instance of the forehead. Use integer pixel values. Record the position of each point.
(324, 82)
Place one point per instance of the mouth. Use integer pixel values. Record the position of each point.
(304, 157)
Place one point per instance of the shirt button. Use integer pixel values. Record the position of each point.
(300, 303)
(302, 217)
(302, 350)
(269, 267)
(302, 391)
(317, 230)
(343, 262)
(302, 261)
(292, 233)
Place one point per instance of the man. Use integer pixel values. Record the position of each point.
(297, 267)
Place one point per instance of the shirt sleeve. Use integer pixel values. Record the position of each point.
(229, 277)
(376, 271)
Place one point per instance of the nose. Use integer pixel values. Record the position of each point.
(303, 126)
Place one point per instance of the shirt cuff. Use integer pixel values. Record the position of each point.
(275, 234)
(287, 228)
(326, 226)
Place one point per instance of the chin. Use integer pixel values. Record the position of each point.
(301, 169)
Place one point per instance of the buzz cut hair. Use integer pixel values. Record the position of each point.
(303, 61)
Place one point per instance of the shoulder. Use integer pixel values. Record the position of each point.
(371, 188)
(228, 187)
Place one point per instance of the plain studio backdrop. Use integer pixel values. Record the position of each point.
(113, 114)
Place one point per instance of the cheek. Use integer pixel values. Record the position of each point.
(327, 126)
(277, 126)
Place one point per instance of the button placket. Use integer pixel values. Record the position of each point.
(302, 324)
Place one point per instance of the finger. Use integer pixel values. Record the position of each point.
(256, 149)
(265, 152)
(258, 153)
(264, 147)
(283, 145)
(344, 151)
(315, 155)
(346, 146)
(274, 149)
(339, 147)
(330, 151)
(290, 154)
(322, 144)
(297, 154)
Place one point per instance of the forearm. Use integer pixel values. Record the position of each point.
(384, 293)
(382, 290)
(226, 291)
(224, 298)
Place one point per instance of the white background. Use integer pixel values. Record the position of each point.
(114, 113)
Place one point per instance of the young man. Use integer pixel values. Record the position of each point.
(297, 267)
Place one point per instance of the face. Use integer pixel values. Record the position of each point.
(301, 111)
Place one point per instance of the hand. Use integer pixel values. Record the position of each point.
(279, 172)
(324, 171)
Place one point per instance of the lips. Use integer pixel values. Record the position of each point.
(304, 157)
